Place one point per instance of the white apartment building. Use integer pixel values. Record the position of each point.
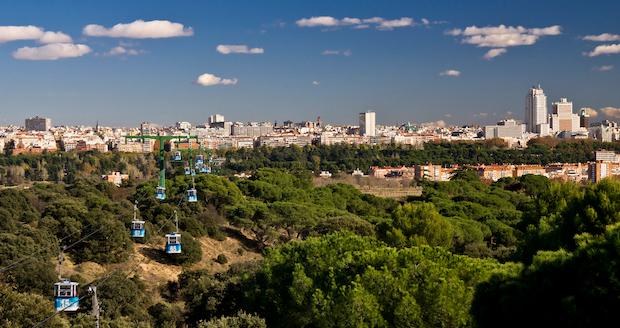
(368, 124)
(504, 129)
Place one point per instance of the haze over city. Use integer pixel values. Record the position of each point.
(121, 63)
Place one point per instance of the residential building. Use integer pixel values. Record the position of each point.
(606, 156)
(216, 118)
(505, 129)
(367, 123)
(605, 131)
(38, 124)
(434, 172)
(521, 170)
(116, 178)
(495, 172)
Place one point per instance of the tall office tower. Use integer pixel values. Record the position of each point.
(563, 118)
(217, 118)
(367, 123)
(38, 123)
(536, 110)
(584, 118)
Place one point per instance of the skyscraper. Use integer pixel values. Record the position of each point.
(563, 118)
(367, 124)
(536, 111)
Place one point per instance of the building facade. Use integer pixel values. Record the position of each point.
(368, 124)
(38, 124)
(536, 111)
(562, 117)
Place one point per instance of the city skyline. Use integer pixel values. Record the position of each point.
(121, 64)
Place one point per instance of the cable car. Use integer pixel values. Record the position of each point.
(177, 156)
(200, 159)
(187, 170)
(173, 243)
(205, 169)
(160, 193)
(192, 195)
(66, 296)
(137, 229)
(193, 172)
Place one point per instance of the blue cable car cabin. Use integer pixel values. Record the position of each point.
(173, 243)
(160, 193)
(137, 229)
(193, 172)
(177, 156)
(200, 159)
(192, 195)
(205, 169)
(66, 296)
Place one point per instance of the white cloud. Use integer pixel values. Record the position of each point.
(425, 21)
(30, 32)
(52, 51)
(15, 33)
(318, 21)
(122, 51)
(140, 29)
(502, 36)
(395, 23)
(379, 23)
(451, 73)
(316, 82)
(494, 53)
(55, 37)
(605, 37)
(238, 49)
(330, 52)
(605, 49)
(208, 80)
(604, 68)
(448, 115)
(351, 21)
(610, 112)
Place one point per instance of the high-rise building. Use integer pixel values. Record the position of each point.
(584, 118)
(216, 118)
(38, 123)
(536, 110)
(367, 123)
(562, 117)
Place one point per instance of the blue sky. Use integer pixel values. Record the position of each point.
(392, 64)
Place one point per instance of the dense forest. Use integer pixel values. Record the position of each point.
(346, 158)
(465, 253)
(66, 167)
